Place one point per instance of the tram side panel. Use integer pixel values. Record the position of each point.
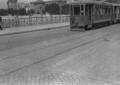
(102, 15)
(114, 14)
(115, 18)
(118, 13)
(78, 22)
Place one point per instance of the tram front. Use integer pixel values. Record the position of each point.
(80, 16)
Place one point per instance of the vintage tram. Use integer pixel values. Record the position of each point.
(87, 15)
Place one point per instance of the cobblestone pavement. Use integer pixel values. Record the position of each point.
(54, 78)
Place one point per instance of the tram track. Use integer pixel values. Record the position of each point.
(55, 43)
(58, 53)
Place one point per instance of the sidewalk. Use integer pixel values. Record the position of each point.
(17, 30)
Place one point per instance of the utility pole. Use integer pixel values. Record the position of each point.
(30, 14)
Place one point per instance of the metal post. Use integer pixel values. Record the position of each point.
(17, 18)
(30, 18)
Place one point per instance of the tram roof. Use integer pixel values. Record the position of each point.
(116, 4)
(95, 2)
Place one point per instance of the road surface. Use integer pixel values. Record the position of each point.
(61, 57)
(23, 39)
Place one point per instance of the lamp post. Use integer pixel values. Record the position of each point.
(30, 13)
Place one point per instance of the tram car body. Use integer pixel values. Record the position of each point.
(117, 12)
(86, 15)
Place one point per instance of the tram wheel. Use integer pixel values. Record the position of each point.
(88, 27)
(71, 29)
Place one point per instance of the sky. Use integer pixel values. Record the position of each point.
(4, 5)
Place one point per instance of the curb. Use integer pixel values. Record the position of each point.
(11, 33)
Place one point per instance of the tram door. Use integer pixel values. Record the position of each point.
(117, 13)
(89, 13)
(78, 15)
(114, 14)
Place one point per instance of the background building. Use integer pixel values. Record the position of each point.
(38, 6)
(113, 1)
(12, 4)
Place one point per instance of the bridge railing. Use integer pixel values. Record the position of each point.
(31, 20)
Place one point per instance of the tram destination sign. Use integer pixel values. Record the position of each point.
(76, 1)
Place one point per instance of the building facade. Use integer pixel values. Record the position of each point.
(38, 6)
(12, 4)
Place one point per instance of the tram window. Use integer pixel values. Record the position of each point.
(119, 10)
(76, 10)
(71, 10)
(82, 8)
(82, 13)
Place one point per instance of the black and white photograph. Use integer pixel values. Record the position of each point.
(59, 42)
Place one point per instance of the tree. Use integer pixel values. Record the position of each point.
(113, 1)
(22, 11)
(30, 12)
(3, 12)
(65, 9)
(11, 11)
(52, 8)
